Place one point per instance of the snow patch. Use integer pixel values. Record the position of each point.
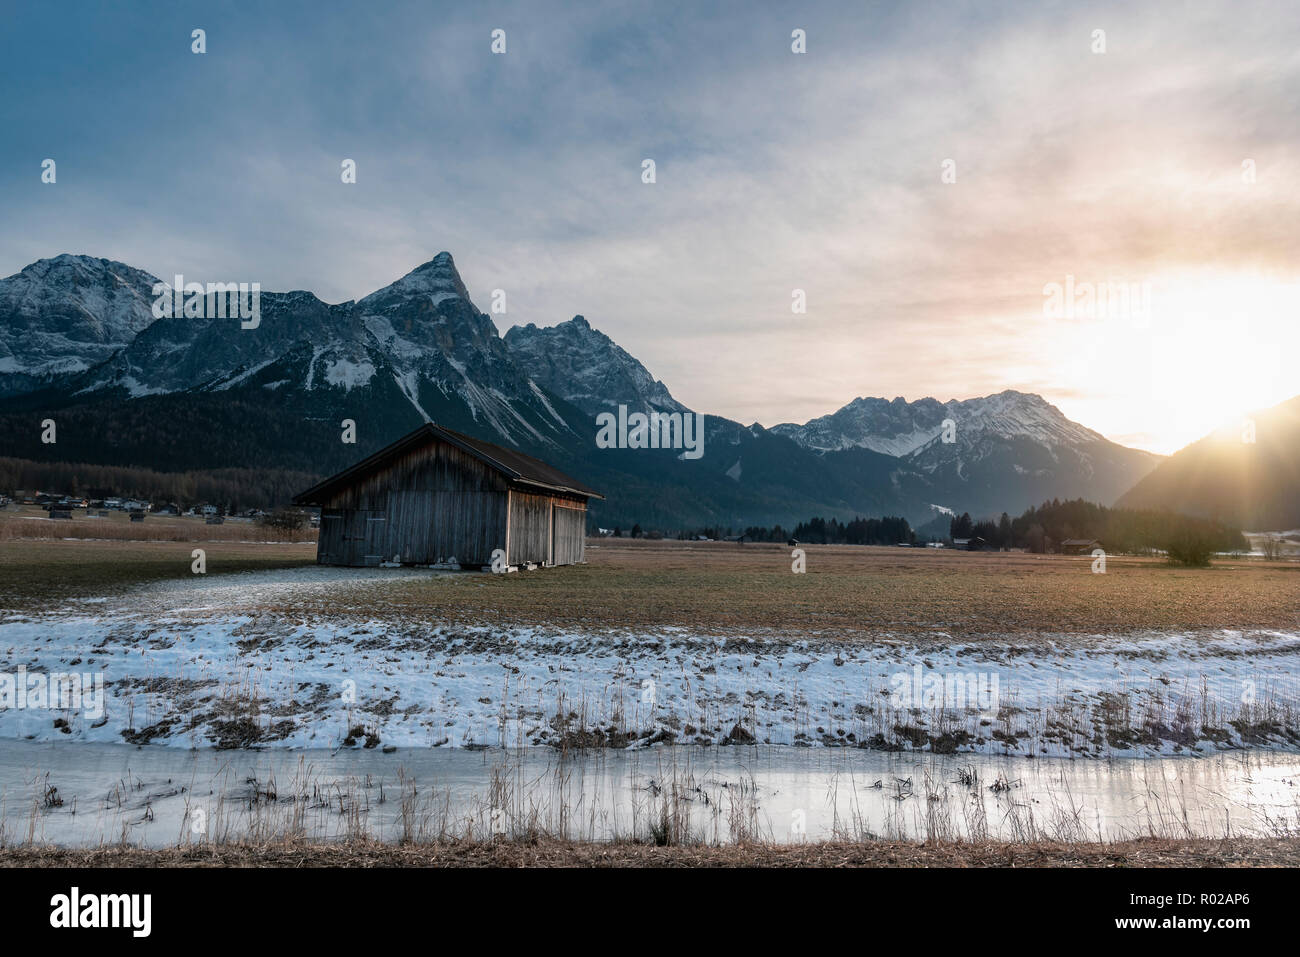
(348, 374)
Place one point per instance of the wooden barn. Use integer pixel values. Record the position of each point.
(1079, 546)
(435, 496)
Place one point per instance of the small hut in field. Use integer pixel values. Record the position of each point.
(1079, 546)
(435, 496)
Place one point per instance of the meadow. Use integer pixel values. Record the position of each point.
(855, 593)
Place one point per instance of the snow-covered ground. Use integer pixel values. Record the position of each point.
(197, 663)
(1287, 543)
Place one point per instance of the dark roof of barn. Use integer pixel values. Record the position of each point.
(513, 464)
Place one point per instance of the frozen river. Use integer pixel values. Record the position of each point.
(84, 793)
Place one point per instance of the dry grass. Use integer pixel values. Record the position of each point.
(1151, 852)
(849, 591)
(38, 575)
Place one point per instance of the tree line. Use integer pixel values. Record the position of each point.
(1119, 530)
(890, 530)
(1039, 529)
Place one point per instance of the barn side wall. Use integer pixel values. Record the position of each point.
(530, 528)
(428, 505)
(546, 529)
(570, 532)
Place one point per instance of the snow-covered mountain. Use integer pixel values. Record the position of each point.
(892, 428)
(177, 393)
(586, 367)
(902, 428)
(66, 314)
(1002, 447)
(419, 341)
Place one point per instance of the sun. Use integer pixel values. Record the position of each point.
(1222, 347)
(1211, 349)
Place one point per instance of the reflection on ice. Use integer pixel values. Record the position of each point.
(83, 794)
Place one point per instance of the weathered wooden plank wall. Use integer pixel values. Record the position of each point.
(530, 528)
(429, 505)
(570, 520)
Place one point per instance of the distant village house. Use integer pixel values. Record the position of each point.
(1079, 546)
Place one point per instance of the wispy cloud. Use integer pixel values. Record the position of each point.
(776, 171)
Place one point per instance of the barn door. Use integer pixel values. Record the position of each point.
(376, 532)
(362, 536)
(329, 540)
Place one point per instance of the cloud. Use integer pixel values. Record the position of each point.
(776, 171)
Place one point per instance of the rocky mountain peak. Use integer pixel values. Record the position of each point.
(64, 314)
(437, 279)
(586, 367)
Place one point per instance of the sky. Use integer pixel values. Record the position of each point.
(924, 173)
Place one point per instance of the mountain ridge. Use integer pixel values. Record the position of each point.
(418, 349)
(1246, 474)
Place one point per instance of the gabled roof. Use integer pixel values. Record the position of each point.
(517, 467)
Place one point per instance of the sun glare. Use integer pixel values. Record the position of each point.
(1222, 348)
(1211, 350)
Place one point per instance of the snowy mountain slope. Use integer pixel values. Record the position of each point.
(201, 393)
(894, 428)
(1006, 451)
(64, 315)
(587, 368)
(901, 428)
(419, 339)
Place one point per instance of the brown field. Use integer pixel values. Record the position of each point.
(39, 575)
(854, 590)
(1149, 852)
(719, 587)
